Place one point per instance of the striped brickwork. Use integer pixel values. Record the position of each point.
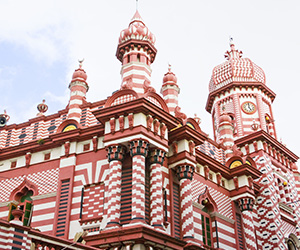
(270, 224)
(246, 207)
(115, 158)
(185, 175)
(156, 196)
(138, 151)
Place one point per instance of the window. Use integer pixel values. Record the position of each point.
(206, 227)
(25, 205)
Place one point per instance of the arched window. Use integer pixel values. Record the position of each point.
(24, 204)
(138, 57)
(209, 206)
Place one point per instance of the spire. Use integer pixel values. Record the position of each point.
(233, 53)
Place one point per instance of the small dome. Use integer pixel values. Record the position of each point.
(137, 30)
(235, 69)
(225, 118)
(79, 73)
(170, 77)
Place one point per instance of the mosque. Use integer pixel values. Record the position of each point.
(133, 172)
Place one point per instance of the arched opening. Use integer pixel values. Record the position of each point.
(138, 57)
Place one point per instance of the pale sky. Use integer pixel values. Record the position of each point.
(41, 42)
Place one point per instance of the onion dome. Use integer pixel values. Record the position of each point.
(79, 74)
(42, 108)
(236, 69)
(170, 78)
(137, 30)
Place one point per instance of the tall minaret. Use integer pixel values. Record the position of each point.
(136, 52)
(78, 88)
(170, 90)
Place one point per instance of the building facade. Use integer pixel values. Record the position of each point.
(134, 172)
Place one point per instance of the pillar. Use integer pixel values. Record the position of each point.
(115, 157)
(156, 195)
(138, 152)
(246, 207)
(185, 175)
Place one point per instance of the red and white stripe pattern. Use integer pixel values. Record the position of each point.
(156, 196)
(138, 151)
(170, 90)
(115, 158)
(185, 175)
(78, 91)
(246, 206)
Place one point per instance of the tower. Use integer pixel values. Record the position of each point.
(170, 90)
(78, 88)
(239, 87)
(136, 52)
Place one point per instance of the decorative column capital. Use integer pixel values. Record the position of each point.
(246, 204)
(185, 172)
(139, 147)
(115, 153)
(157, 155)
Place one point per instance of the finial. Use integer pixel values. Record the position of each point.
(231, 44)
(80, 62)
(197, 119)
(137, 4)
(170, 67)
(42, 108)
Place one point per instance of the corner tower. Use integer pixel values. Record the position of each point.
(136, 52)
(238, 87)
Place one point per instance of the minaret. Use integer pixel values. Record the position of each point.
(170, 90)
(78, 88)
(239, 86)
(136, 52)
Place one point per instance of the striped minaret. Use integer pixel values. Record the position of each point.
(170, 90)
(138, 151)
(115, 157)
(185, 175)
(78, 88)
(225, 131)
(246, 207)
(156, 196)
(136, 52)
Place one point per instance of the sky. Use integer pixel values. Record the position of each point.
(42, 41)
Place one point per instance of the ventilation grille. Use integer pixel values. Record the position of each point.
(62, 208)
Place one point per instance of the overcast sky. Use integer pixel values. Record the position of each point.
(41, 42)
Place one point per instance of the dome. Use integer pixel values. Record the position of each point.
(235, 69)
(169, 77)
(79, 73)
(137, 30)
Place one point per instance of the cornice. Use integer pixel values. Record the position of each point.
(228, 87)
(262, 135)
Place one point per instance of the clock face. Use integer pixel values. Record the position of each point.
(248, 107)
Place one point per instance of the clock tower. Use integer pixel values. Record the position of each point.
(238, 88)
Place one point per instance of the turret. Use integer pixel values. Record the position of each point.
(136, 52)
(78, 88)
(170, 90)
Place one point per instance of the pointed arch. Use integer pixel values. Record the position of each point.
(207, 200)
(22, 189)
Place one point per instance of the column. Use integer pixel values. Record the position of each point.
(156, 195)
(246, 206)
(115, 157)
(138, 151)
(185, 175)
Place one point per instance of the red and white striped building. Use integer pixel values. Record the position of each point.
(134, 172)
